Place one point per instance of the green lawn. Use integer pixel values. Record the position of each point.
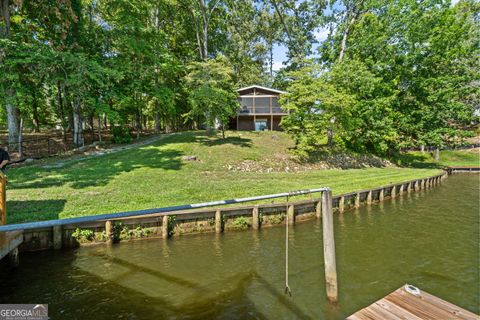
(447, 158)
(155, 175)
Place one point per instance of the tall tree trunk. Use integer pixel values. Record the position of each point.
(20, 139)
(205, 19)
(99, 129)
(138, 120)
(271, 63)
(92, 128)
(330, 137)
(36, 121)
(157, 116)
(437, 154)
(12, 110)
(77, 123)
(353, 12)
(68, 107)
(13, 124)
(62, 114)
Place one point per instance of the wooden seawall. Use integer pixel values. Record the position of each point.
(212, 219)
(463, 169)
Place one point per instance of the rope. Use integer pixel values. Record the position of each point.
(287, 288)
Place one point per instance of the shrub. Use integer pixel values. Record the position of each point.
(240, 223)
(83, 235)
(121, 134)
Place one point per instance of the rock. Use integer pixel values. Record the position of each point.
(190, 158)
(274, 137)
(29, 160)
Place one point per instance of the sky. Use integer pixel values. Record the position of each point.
(280, 51)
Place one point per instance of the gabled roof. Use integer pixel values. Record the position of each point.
(263, 88)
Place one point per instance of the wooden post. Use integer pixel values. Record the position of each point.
(357, 200)
(271, 115)
(14, 260)
(409, 186)
(329, 247)
(165, 227)
(318, 209)
(369, 197)
(108, 231)
(393, 193)
(255, 218)
(291, 214)
(341, 204)
(3, 199)
(57, 237)
(218, 221)
(400, 191)
(381, 194)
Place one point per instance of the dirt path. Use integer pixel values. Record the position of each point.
(98, 153)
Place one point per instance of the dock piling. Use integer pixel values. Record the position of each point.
(341, 204)
(57, 237)
(369, 197)
(357, 200)
(218, 221)
(165, 227)
(329, 247)
(255, 218)
(318, 209)
(291, 214)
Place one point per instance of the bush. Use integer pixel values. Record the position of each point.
(240, 223)
(83, 235)
(121, 134)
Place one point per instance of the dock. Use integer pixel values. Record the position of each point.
(409, 302)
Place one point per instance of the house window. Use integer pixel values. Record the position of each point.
(261, 125)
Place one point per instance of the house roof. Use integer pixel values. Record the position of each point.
(263, 88)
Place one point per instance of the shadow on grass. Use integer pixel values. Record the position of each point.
(96, 171)
(413, 160)
(34, 210)
(211, 141)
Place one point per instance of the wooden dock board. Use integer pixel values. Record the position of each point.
(402, 304)
(9, 241)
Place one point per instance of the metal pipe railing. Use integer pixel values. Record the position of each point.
(161, 211)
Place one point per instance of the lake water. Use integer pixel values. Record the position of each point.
(429, 239)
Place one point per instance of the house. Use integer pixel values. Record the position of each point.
(259, 109)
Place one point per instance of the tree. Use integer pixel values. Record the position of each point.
(212, 94)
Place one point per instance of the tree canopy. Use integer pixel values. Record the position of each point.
(388, 76)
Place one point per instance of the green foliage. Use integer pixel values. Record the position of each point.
(212, 92)
(120, 231)
(83, 235)
(240, 223)
(121, 134)
(171, 225)
(403, 80)
(277, 219)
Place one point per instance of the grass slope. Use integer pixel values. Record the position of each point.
(155, 175)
